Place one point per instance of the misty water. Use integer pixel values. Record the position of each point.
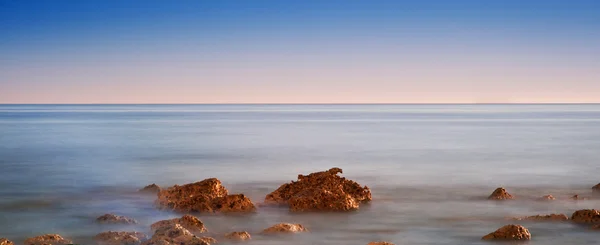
(430, 167)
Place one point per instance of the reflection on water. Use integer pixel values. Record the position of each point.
(430, 167)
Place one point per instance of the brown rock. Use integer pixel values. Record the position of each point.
(115, 219)
(48, 239)
(153, 188)
(509, 232)
(596, 188)
(322, 191)
(546, 198)
(549, 217)
(4, 241)
(208, 239)
(380, 243)
(175, 235)
(238, 236)
(586, 216)
(189, 222)
(207, 196)
(285, 228)
(120, 238)
(500, 194)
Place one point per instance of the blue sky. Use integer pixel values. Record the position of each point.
(299, 51)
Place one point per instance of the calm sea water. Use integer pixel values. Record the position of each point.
(429, 166)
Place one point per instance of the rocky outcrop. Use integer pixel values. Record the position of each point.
(153, 188)
(4, 241)
(238, 236)
(321, 191)
(509, 232)
(207, 196)
(285, 228)
(189, 222)
(115, 219)
(48, 239)
(546, 198)
(176, 235)
(586, 216)
(500, 194)
(549, 217)
(120, 238)
(380, 243)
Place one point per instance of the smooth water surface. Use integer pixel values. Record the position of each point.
(430, 167)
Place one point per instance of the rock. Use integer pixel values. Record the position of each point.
(596, 188)
(546, 198)
(549, 217)
(175, 235)
(500, 194)
(586, 216)
(120, 238)
(285, 228)
(509, 232)
(380, 243)
(238, 236)
(189, 222)
(4, 241)
(115, 219)
(207, 196)
(577, 198)
(153, 188)
(48, 239)
(208, 239)
(321, 191)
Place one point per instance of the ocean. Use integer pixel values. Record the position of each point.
(430, 167)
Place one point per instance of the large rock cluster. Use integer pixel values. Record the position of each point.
(48, 239)
(115, 219)
(509, 232)
(586, 216)
(321, 191)
(500, 194)
(207, 196)
(120, 238)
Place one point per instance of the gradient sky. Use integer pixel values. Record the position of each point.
(299, 51)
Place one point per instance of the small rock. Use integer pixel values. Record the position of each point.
(596, 188)
(120, 238)
(175, 235)
(577, 198)
(500, 194)
(546, 198)
(238, 236)
(115, 219)
(549, 217)
(380, 243)
(153, 188)
(48, 239)
(586, 216)
(285, 228)
(509, 232)
(4, 241)
(187, 221)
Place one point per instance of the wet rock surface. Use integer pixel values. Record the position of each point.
(500, 194)
(120, 238)
(586, 216)
(48, 239)
(153, 188)
(321, 191)
(548, 217)
(509, 232)
(4, 241)
(380, 243)
(207, 196)
(285, 228)
(238, 236)
(189, 222)
(176, 235)
(115, 219)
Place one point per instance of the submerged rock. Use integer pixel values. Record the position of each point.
(500, 194)
(321, 191)
(175, 235)
(380, 243)
(120, 238)
(188, 222)
(586, 216)
(549, 217)
(4, 241)
(115, 219)
(285, 228)
(48, 239)
(509, 232)
(238, 236)
(207, 196)
(153, 188)
(546, 198)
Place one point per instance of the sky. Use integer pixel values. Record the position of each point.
(460, 51)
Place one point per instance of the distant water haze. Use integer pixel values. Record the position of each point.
(430, 167)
